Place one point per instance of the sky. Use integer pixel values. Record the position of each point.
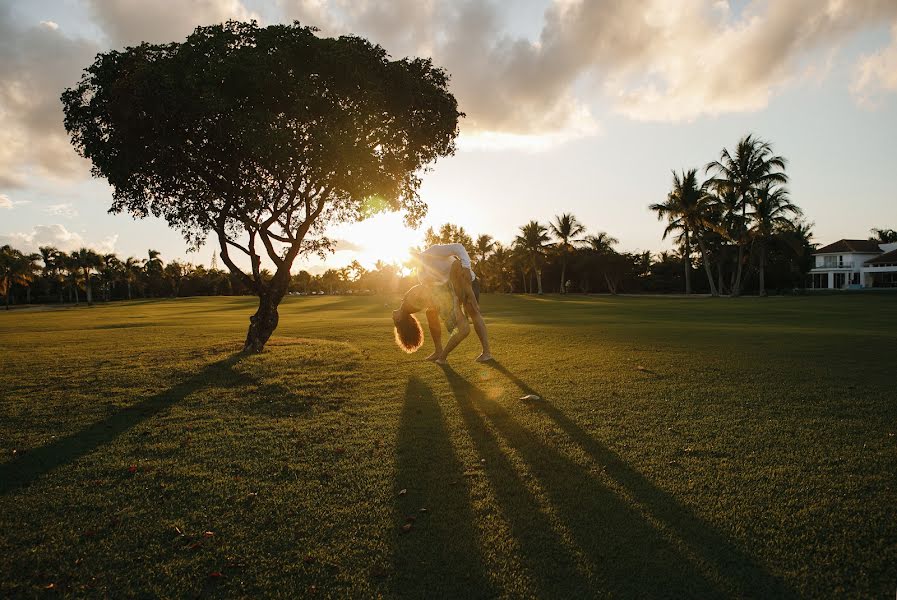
(581, 106)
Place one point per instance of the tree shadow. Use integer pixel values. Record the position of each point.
(739, 571)
(619, 552)
(26, 469)
(438, 556)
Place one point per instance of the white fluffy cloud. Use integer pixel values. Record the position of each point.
(650, 60)
(653, 60)
(57, 236)
(36, 64)
(65, 209)
(876, 73)
(5, 201)
(129, 22)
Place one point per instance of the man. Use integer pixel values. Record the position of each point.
(441, 265)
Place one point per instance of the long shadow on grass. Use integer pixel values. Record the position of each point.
(438, 556)
(611, 548)
(738, 570)
(23, 471)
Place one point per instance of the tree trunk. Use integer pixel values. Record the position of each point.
(129, 290)
(686, 260)
(736, 286)
(713, 291)
(263, 323)
(77, 300)
(87, 288)
(762, 269)
(538, 276)
(611, 287)
(564, 276)
(719, 270)
(28, 295)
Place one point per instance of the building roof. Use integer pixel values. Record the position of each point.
(886, 258)
(865, 246)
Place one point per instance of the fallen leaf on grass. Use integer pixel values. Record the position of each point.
(530, 397)
(194, 546)
(403, 491)
(216, 574)
(407, 527)
(208, 534)
(132, 469)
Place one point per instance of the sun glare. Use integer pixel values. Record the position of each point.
(383, 237)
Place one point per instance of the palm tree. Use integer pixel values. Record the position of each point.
(500, 266)
(133, 267)
(86, 260)
(153, 269)
(602, 243)
(883, 236)
(483, 247)
(112, 271)
(532, 240)
(565, 227)
(689, 210)
(16, 268)
(752, 165)
(772, 212)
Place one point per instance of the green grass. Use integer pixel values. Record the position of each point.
(682, 447)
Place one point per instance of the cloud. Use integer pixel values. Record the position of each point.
(62, 210)
(7, 202)
(130, 22)
(654, 60)
(346, 246)
(36, 64)
(876, 73)
(58, 236)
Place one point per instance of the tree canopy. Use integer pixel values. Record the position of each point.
(259, 136)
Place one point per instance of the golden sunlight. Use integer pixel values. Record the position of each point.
(383, 237)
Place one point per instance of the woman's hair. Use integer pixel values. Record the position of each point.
(409, 335)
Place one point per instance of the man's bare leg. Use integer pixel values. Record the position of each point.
(435, 332)
(473, 309)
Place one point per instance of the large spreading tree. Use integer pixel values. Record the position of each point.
(259, 137)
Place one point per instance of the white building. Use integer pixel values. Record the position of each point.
(855, 264)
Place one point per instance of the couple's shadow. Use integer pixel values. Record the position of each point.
(574, 535)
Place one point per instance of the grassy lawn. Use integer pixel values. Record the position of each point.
(695, 447)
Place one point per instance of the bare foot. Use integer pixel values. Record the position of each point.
(433, 356)
(440, 361)
(484, 357)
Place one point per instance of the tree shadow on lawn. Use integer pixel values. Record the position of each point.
(741, 574)
(438, 556)
(614, 549)
(25, 470)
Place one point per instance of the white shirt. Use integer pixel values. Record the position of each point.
(436, 262)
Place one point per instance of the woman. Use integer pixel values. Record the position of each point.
(446, 287)
(436, 301)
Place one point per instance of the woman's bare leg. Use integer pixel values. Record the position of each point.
(462, 330)
(435, 332)
(473, 309)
